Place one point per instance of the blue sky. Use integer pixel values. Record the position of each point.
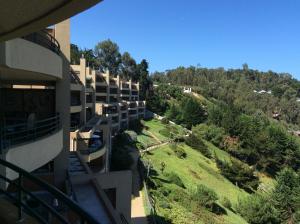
(213, 33)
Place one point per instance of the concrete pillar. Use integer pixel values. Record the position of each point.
(62, 35)
(82, 77)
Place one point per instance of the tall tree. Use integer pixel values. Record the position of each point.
(142, 76)
(88, 54)
(75, 54)
(128, 66)
(108, 56)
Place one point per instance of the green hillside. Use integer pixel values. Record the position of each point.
(193, 170)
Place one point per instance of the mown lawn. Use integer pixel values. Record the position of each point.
(146, 139)
(193, 170)
(155, 126)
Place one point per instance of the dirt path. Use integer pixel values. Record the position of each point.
(153, 136)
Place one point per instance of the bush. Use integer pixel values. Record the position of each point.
(131, 136)
(197, 144)
(205, 196)
(175, 179)
(258, 209)
(121, 159)
(179, 151)
(226, 203)
(239, 174)
(165, 120)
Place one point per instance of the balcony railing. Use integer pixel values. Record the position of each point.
(125, 85)
(44, 39)
(64, 210)
(20, 133)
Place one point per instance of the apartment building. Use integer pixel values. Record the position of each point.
(40, 179)
(100, 103)
(118, 99)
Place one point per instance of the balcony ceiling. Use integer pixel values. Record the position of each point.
(19, 17)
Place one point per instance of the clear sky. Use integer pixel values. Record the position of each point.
(213, 33)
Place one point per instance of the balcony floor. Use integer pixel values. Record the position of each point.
(9, 214)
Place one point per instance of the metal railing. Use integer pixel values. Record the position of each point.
(64, 210)
(16, 134)
(44, 39)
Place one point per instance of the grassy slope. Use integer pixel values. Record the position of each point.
(195, 169)
(263, 178)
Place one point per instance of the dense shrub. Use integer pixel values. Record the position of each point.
(210, 133)
(131, 136)
(121, 159)
(205, 196)
(197, 144)
(165, 120)
(179, 151)
(287, 196)
(257, 209)
(175, 179)
(226, 203)
(239, 174)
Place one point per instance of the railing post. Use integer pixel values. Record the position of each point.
(20, 185)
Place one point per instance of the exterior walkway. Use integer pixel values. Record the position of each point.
(138, 215)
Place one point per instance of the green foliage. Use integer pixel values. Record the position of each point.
(239, 174)
(205, 196)
(287, 196)
(175, 179)
(196, 143)
(211, 133)
(192, 112)
(108, 56)
(130, 136)
(179, 151)
(226, 203)
(257, 209)
(128, 66)
(235, 87)
(165, 121)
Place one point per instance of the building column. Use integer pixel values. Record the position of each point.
(62, 35)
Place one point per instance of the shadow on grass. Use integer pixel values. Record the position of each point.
(218, 210)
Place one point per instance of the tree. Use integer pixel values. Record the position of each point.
(287, 196)
(108, 56)
(142, 76)
(258, 209)
(239, 174)
(88, 54)
(128, 66)
(192, 112)
(75, 54)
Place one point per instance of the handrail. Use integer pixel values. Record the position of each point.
(84, 216)
(123, 219)
(44, 39)
(15, 134)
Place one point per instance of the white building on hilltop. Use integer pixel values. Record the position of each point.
(187, 89)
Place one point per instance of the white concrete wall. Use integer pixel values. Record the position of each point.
(33, 155)
(26, 55)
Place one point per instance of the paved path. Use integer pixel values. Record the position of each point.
(138, 215)
(153, 136)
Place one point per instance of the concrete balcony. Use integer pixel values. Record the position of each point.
(92, 153)
(31, 146)
(25, 60)
(75, 109)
